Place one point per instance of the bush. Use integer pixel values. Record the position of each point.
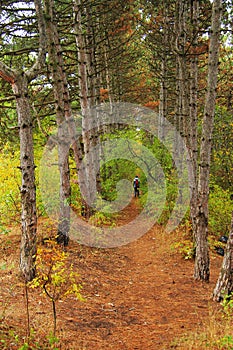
(10, 176)
(220, 209)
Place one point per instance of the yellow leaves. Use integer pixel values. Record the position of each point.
(35, 283)
(9, 185)
(55, 275)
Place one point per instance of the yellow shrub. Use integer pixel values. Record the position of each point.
(10, 182)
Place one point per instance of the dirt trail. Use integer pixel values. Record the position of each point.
(138, 297)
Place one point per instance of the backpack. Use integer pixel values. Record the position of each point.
(136, 183)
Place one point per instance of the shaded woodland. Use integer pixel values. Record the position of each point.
(78, 76)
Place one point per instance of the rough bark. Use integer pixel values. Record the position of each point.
(182, 67)
(192, 125)
(28, 190)
(62, 105)
(66, 124)
(163, 84)
(182, 80)
(224, 285)
(19, 81)
(83, 97)
(202, 271)
(89, 97)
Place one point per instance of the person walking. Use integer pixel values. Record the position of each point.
(136, 185)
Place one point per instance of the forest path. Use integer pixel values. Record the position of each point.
(139, 296)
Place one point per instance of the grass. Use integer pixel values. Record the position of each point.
(215, 333)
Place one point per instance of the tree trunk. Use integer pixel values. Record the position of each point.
(163, 84)
(19, 82)
(182, 81)
(192, 125)
(224, 285)
(28, 189)
(83, 96)
(65, 122)
(84, 25)
(65, 188)
(201, 271)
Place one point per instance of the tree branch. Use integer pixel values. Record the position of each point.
(33, 71)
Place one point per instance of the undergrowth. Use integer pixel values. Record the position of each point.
(216, 333)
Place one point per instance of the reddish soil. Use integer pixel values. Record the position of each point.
(138, 297)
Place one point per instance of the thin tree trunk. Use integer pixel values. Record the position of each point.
(202, 271)
(89, 96)
(192, 139)
(183, 68)
(163, 84)
(65, 122)
(19, 81)
(182, 81)
(224, 285)
(19, 84)
(28, 189)
(84, 99)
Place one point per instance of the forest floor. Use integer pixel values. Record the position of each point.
(141, 296)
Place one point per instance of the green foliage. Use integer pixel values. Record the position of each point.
(48, 173)
(12, 340)
(3, 230)
(217, 334)
(9, 186)
(154, 165)
(10, 175)
(112, 172)
(227, 304)
(184, 243)
(185, 248)
(165, 190)
(75, 199)
(222, 155)
(38, 150)
(220, 209)
(53, 340)
(226, 342)
(25, 346)
(100, 219)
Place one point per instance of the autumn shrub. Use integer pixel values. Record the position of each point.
(55, 277)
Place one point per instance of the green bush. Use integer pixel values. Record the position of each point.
(220, 209)
(10, 183)
(10, 175)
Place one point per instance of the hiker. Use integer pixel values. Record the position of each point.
(136, 185)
